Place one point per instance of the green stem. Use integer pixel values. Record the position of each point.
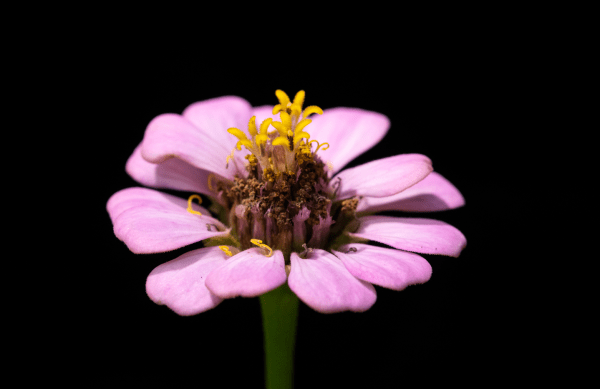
(280, 317)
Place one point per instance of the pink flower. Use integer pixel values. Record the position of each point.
(288, 213)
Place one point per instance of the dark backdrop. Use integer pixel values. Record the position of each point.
(454, 103)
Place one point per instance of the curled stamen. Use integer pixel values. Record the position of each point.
(210, 187)
(259, 243)
(351, 250)
(306, 251)
(336, 185)
(229, 157)
(319, 145)
(226, 250)
(189, 207)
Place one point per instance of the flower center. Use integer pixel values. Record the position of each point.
(285, 200)
(280, 151)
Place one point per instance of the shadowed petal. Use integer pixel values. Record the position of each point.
(349, 132)
(433, 193)
(171, 135)
(324, 284)
(248, 274)
(179, 283)
(152, 222)
(393, 269)
(383, 177)
(170, 174)
(425, 236)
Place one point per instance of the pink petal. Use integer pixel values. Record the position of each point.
(126, 199)
(248, 274)
(425, 236)
(349, 132)
(324, 284)
(151, 222)
(213, 117)
(179, 283)
(171, 135)
(383, 177)
(170, 174)
(393, 269)
(433, 193)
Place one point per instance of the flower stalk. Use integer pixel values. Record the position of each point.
(279, 309)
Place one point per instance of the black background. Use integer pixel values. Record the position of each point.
(457, 103)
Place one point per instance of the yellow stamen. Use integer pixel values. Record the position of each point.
(285, 119)
(252, 126)
(229, 157)
(304, 149)
(265, 125)
(261, 139)
(237, 133)
(226, 250)
(296, 106)
(280, 128)
(284, 100)
(210, 177)
(259, 243)
(319, 145)
(277, 108)
(301, 135)
(281, 141)
(303, 123)
(252, 160)
(289, 132)
(299, 98)
(312, 109)
(296, 110)
(189, 207)
(244, 142)
(243, 139)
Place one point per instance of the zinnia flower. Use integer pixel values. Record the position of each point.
(285, 210)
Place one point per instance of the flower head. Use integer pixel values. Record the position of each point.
(284, 210)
